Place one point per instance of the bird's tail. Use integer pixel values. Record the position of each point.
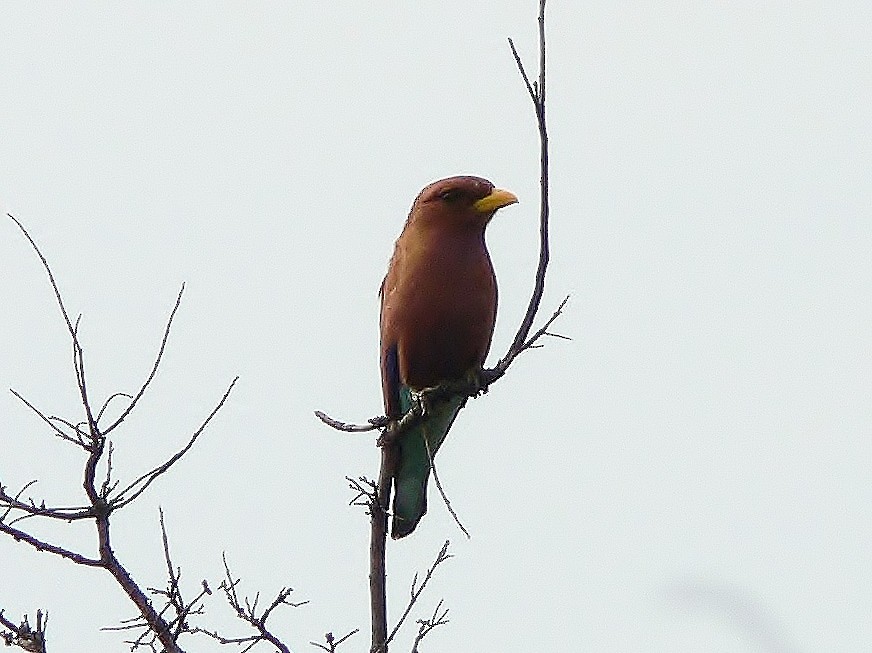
(417, 447)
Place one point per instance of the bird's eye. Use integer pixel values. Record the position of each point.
(450, 194)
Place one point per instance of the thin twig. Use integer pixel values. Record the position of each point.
(148, 380)
(442, 491)
(108, 401)
(372, 425)
(142, 483)
(51, 278)
(246, 610)
(8, 501)
(50, 421)
(425, 626)
(366, 496)
(537, 96)
(416, 592)
(31, 509)
(332, 642)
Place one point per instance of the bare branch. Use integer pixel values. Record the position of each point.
(537, 96)
(101, 509)
(246, 610)
(39, 545)
(137, 487)
(50, 421)
(533, 92)
(178, 609)
(367, 493)
(79, 368)
(378, 533)
(372, 425)
(8, 501)
(51, 278)
(30, 508)
(543, 331)
(164, 626)
(439, 618)
(442, 491)
(332, 642)
(148, 380)
(416, 592)
(107, 402)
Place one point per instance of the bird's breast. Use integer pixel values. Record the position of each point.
(439, 307)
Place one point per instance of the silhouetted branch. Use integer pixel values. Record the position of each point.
(148, 380)
(378, 534)
(142, 483)
(51, 278)
(247, 611)
(374, 497)
(108, 401)
(442, 491)
(175, 605)
(39, 545)
(536, 90)
(373, 424)
(367, 493)
(417, 590)
(50, 421)
(439, 618)
(332, 642)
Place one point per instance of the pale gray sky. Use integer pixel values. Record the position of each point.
(689, 473)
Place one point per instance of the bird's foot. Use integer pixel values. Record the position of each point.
(422, 401)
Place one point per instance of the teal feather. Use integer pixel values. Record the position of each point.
(416, 448)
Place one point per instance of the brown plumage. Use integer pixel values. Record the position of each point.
(438, 307)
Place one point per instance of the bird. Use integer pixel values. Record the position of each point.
(438, 309)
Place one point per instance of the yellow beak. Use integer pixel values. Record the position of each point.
(496, 200)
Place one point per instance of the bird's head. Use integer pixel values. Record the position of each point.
(468, 202)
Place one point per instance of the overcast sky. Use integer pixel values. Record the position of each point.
(689, 473)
